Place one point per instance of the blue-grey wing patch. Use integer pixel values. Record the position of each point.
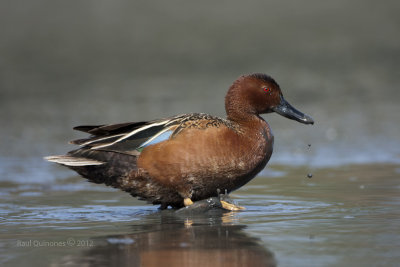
(160, 137)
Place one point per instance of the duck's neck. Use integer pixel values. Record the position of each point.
(244, 118)
(237, 108)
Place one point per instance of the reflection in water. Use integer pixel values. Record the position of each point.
(167, 239)
(334, 219)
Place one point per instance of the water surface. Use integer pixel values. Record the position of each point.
(344, 216)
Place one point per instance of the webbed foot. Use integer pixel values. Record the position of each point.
(227, 202)
(231, 206)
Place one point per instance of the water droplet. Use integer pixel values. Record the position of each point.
(309, 175)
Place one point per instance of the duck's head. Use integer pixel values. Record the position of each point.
(257, 94)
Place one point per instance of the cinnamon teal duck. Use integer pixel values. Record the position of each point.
(185, 158)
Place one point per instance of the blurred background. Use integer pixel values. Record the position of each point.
(67, 63)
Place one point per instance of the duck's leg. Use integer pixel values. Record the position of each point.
(187, 202)
(186, 193)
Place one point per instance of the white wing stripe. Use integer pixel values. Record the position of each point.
(100, 139)
(132, 133)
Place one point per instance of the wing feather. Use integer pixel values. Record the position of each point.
(127, 138)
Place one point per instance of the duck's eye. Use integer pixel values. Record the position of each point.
(267, 89)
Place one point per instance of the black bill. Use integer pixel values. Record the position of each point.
(288, 111)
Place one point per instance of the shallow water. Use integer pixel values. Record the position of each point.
(93, 62)
(344, 216)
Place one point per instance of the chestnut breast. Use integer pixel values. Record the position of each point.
(209, 155)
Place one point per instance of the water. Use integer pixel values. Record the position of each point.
(69, 63)
(340, 217)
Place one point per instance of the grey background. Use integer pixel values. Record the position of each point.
(66, 63)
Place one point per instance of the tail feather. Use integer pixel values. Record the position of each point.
(98, 166)
(73, 161)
